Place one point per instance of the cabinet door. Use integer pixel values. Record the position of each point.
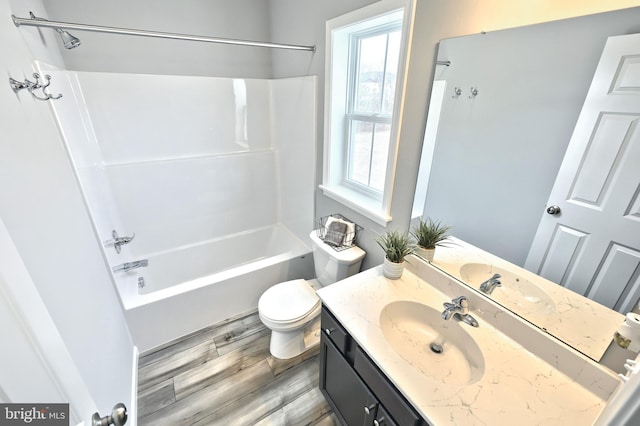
(348, 396)
(401, 411)
(383, 418)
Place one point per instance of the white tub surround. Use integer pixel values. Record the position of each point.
(215, 176)
(580, 322)
(528, 378)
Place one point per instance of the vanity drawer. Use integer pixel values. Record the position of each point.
(337, 334)
(399, 409)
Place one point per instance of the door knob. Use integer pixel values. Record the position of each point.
(552, 210)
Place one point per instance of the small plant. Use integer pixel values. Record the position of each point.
(396, 246)
(430, 234)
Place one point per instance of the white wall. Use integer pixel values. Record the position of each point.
(42, 208)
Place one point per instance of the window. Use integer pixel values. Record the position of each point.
(366, 63)
(372, 82)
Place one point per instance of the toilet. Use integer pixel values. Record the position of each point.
(289, 307)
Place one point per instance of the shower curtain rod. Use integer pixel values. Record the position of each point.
(144, 33)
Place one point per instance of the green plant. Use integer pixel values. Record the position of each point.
(396, 245)
(430, 234)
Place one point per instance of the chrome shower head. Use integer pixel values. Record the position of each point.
(68, 40)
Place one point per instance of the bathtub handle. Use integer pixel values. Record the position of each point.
(117, 242)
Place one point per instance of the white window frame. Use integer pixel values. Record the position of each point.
(370, 203)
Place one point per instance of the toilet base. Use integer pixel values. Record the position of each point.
(287, 345)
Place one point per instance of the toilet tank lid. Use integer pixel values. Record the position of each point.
(288, 301)
(350, 255)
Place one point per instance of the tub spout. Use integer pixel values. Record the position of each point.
(128, 266)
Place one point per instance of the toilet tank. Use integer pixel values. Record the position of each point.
(332, 265)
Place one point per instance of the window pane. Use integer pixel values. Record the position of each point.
(379, 156)
(370, 74)
(360, 151)
(393, 56)
(368, 151)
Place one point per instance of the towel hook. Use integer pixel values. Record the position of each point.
(456, 92)
(31, 86)
(474, 92)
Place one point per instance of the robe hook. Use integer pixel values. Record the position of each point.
(31, 86)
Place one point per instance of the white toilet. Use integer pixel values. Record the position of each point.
(288, 308)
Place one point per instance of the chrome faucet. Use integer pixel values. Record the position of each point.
(493, 282)
(128, 266)
(117, 242)
(458, 306)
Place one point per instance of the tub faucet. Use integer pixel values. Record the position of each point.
(128, 266)
(458, 306)
(490, 284)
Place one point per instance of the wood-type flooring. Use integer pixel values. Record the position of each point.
(225, 375)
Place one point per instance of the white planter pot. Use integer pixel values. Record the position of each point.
(392, 270)
(426, 254)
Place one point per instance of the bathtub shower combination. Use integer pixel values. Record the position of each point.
(200, 189)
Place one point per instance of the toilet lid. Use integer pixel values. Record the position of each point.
(288, 301)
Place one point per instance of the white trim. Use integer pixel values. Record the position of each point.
(331, 184)
(428, 147)
(133, 404)
(364, 205)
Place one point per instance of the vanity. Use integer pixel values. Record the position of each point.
(388, 357)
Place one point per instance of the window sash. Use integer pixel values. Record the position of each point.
(356, 116)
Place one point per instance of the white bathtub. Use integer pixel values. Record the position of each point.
(192, 287)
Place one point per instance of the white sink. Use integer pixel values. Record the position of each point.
(440, 350)
(515, 292)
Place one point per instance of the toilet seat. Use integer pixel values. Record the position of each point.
(288, 302)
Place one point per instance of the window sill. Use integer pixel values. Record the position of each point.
(358, 202)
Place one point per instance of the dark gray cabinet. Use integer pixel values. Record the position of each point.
(356, 389)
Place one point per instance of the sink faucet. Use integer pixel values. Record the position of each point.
(493, 282)
(128, 266)
(458, 306)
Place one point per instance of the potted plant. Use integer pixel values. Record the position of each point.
(396, 247)
(428, 235)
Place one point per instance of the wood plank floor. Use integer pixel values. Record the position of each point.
(225, 375)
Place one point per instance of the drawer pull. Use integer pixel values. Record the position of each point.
(367, 410)
(329, 330)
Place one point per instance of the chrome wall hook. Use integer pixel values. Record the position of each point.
(31, 86)
(456, 92)
(474, 92)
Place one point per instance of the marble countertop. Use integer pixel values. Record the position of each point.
(516, 387)
(580, 322)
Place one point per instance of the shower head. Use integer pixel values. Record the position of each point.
(68, 40)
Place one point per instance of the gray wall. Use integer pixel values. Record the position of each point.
(303, 21)
(497, 156)
(237, 19)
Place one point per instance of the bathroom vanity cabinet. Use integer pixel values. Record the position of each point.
(358, 392)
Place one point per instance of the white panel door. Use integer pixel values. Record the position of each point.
(592, 246)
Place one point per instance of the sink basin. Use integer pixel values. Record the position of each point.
(516, 293)
(440, 350)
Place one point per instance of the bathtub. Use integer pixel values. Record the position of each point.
(192, 287)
